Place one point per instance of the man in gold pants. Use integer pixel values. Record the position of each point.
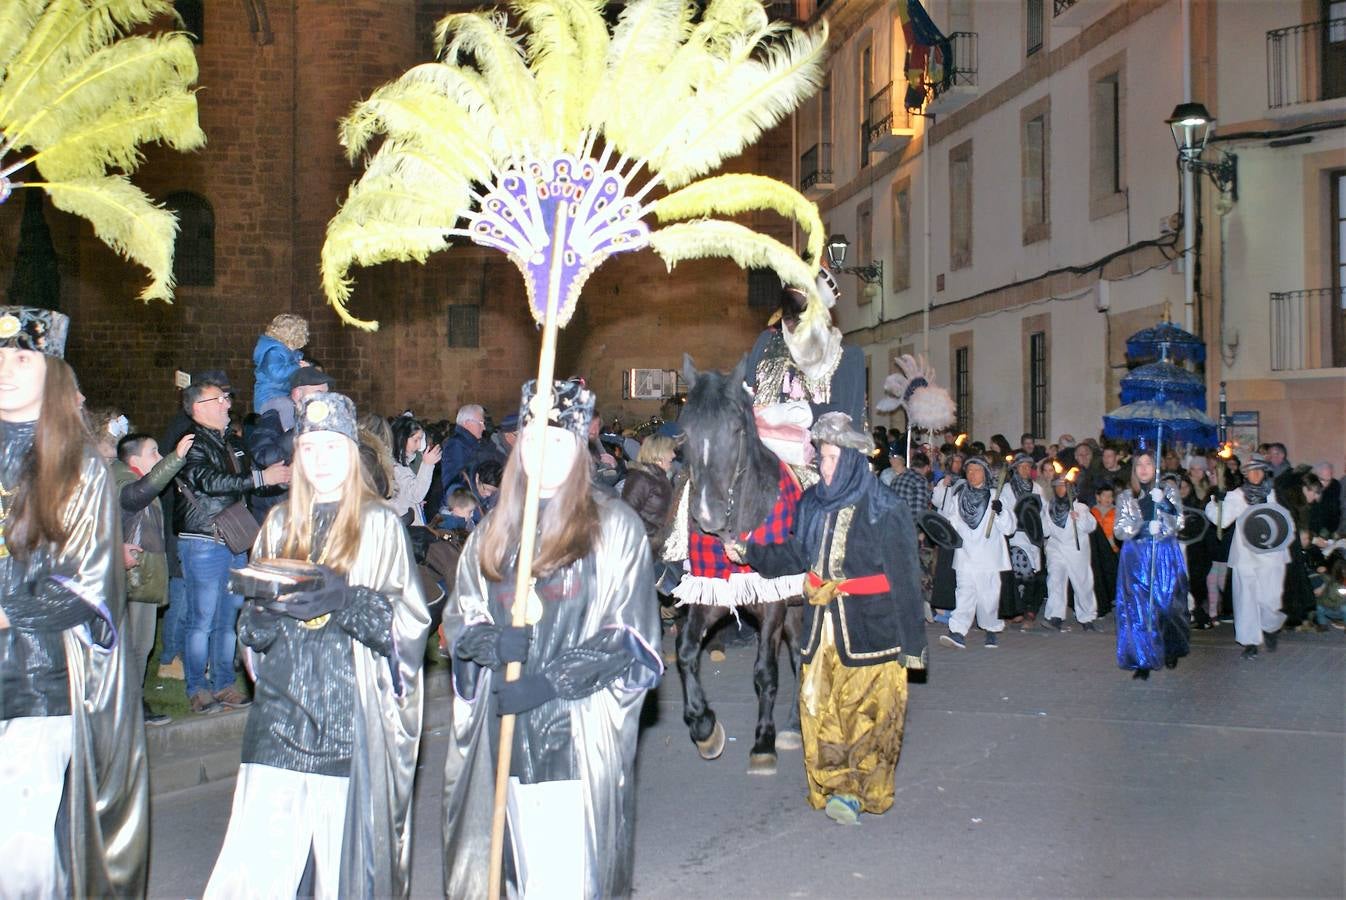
(863, 623)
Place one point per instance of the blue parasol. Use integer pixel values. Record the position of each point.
(1164, 380)
(1165, 341)
(1160, 419)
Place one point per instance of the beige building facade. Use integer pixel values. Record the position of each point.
(1030, 216)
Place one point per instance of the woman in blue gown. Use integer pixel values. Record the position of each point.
(1152, 625)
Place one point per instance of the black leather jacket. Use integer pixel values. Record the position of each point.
(219, 474)
(56, 588)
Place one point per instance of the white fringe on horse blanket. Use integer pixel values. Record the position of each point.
(739, 589)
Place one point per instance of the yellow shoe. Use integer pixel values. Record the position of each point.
(172, 670)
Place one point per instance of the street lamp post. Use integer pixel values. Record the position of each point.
(837, 247)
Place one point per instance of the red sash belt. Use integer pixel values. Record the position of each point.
(868, 584)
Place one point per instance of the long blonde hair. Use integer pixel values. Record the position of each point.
(569, 524)
(56, 464)
(343, 540)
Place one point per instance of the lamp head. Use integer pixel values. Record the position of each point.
(1191, 124)
(837, 245)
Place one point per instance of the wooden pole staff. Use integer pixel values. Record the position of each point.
(999, 489)
(533, 437)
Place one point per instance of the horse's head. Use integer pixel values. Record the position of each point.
(733, 475)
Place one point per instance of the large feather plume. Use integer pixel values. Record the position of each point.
(663, 99)
(913, 387)
(79, 95)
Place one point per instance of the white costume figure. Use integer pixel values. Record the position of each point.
(1259, 578)
(1066, 526)
(981, 559)
(1018, 485)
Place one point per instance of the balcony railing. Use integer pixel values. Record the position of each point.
(815, 166)
(1306, 63)
(1308, 330)
(960, 63)
(1060, 6)
(885, 128)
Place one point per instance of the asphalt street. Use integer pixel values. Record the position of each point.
(1036, 769)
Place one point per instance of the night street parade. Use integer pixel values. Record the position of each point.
(672, 448)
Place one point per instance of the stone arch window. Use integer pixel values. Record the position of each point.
(194, 253)
(193, 14)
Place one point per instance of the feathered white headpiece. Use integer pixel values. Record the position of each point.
(913, 388)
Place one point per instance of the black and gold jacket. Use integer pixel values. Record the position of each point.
(874, 536)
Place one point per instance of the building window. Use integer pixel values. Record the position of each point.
(962, 386)
(464, 323)
(193, 15)
(764, 289)
(902, 236)
(1338, 240)
(1034, 10)
(825, 109)
(960, 206)
(1035, 172)
(866, 91)
(1107, 140)
(1037, 384)
(864, 240)
(194, 249)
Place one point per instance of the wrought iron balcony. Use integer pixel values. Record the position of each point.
(815, 168)
(887, 129)
(1306, 63)
(960, 73)
(1060, 6)
(1308, 330)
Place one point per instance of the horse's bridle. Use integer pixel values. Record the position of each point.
(730, 494)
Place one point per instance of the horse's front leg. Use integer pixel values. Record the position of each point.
(706, 732)
(766, 680)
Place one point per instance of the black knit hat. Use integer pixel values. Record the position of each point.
(31, 328)
(328, 412)
(572, 406)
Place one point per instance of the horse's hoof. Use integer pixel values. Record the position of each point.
(789, 739)
(713, 746)
(762, 764)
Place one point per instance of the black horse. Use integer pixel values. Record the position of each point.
(734, 485)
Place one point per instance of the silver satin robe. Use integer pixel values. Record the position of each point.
(616, 586)
(376, 846)
(106, 805)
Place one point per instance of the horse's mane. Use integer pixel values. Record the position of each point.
(715, 399)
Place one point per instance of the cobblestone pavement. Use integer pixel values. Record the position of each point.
(1035, 769)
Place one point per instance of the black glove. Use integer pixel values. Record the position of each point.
(997, 507)
(369, 619)
(307, 605)
(1217, 495)
(493, 646)
(525, 693)
(1146, 508)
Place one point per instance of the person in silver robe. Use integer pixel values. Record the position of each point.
(74, 811)
(329, 750)
(587, 658)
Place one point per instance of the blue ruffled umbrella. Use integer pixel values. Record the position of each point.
(1165, 341)
(1159, 419)
(1163, 379)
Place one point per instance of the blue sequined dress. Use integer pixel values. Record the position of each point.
(1152, 624)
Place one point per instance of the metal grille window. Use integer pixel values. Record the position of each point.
(194, 249)
(193, 15)
(464, 326)
(764, 287)
(1034, 12)
(962, 385)
(1037, 379)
